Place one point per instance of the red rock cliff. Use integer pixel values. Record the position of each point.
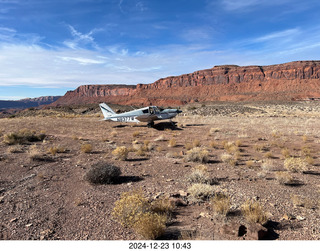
(290, 81)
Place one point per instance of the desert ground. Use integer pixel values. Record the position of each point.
(266, 154)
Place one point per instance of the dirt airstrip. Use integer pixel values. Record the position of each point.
(48, 198)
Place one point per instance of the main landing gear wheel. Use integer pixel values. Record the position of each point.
(151, 124)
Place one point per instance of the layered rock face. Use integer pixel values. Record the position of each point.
(290, 81)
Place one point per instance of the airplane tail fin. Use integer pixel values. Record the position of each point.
(106, 110)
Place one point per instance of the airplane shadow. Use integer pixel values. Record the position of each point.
(166, 125)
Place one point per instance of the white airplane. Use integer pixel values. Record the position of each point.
(147, 114)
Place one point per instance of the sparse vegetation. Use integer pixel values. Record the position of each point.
(284, 178)
(229, 159)
(253, 212)
(86, 148)
(201, 191)
(120, 153)
(150, 225)
(197, 155)
(102, 173)
(172, 143)
(198, 176)
(56, 149)
(285, 153)
(22, 137)
(295, 164)
(133, 210)
(221, 203)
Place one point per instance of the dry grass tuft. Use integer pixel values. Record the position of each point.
(285, 153)
(136, 134)
(23, 136)
(295, 164)
(163, 205)
(172, 143)
(56, 149)
(150, 225)
(229, 159)
(86, 148)
(300, 201)
(130, 207)
(197, 155)
(201, 191)
(284, 178)
(133, 210)
(221, 203)
(120, 153)
(198, 176)
(253, 212)
(267, 165)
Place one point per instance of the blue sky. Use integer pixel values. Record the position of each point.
(50, 46)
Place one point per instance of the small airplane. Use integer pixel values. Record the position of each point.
(147, 114)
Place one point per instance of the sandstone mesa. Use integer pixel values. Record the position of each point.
(299, 80)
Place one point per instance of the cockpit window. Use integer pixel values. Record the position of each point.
(145, 111)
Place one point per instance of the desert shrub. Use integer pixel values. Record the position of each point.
(229, 159)
(120, 153)
(295, 164)
(284, 178)
(213, 130)
(15, 149)
(309, 160)
(213, 144)
(141, 152)
(268, 155)
(86, 148)
(22, 137)
(303, 202)
(172, 143)
(134, 210)
(253, 212)
(238, 143)
(150, 225)
(56, 149)
(304, 138)
(306, 151)
(201, 167)
(130, 207)
(267, 165)
(197, 154)
(285, 153)
(36, 154)
(196, 143)
(198, 176)
(102, 173)
(260, 147)
(201, 191)
(230, 147)
(189, 146)
(114, 134)
(136, 134)
(221, 203)
(163, 205)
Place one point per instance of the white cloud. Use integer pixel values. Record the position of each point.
(279, 35)
(80, 39)
(82, 61)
